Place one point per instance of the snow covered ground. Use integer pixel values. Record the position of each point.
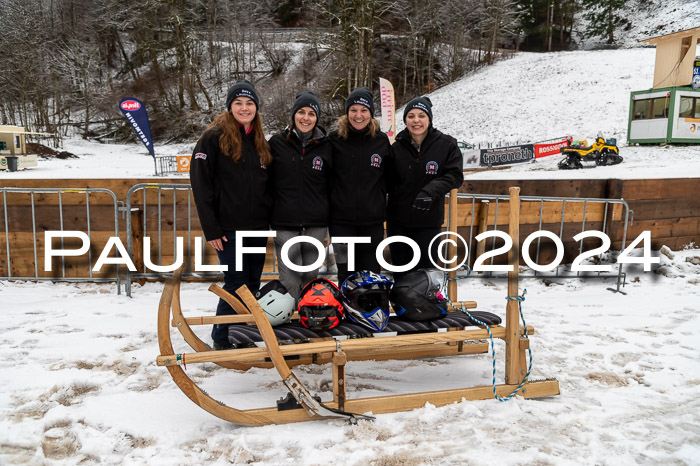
(81, 385)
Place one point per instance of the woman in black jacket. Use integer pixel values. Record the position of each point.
(427, 164)
(358, 200)
(228, 175)
(300, 184)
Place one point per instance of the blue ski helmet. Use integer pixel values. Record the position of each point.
(366, 299)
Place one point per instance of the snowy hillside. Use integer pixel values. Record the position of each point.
(537, 96)
(647, 18)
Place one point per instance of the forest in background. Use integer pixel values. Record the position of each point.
(66, 64)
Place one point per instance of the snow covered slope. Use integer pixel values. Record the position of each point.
(537, 96)
(647, 18)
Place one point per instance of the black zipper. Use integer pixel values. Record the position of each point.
(301, 181)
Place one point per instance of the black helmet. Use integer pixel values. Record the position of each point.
(366, 299)
(319, 305)
(416, 296)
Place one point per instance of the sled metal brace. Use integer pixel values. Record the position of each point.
(312, 406)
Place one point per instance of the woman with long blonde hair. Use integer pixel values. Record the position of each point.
(358, 200)
(229, 175)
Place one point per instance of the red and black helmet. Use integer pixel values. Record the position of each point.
(319, 305)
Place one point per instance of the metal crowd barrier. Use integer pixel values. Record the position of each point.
(164, 219)
(144, 207)
(166, 165)
(43, 220)
(165, 215)
(561, 270)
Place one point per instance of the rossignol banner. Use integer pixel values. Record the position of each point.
(388, 119)
(507, 155)
(135, 113)
(549, 148)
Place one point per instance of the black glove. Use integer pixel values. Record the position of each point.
(422, 202)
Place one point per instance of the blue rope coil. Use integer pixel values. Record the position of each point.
(520, 300)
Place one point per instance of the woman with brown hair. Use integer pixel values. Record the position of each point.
(427, 164)
(228, 174)
(300, 183)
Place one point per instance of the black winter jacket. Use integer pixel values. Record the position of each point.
(359, 185)
(435, 170)
(229, 195)
(300, 180)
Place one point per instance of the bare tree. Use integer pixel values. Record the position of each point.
(500, 17)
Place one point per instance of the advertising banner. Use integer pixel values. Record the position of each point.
(470, 158)
(550, 148)
(135, 113)
(388, 118)
(507, 155)
(696, 74)
(183, 163)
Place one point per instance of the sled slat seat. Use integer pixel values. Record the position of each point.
(246, 334)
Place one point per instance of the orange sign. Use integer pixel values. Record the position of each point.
(183, 163)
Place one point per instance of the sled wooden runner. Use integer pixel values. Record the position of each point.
(338, 352)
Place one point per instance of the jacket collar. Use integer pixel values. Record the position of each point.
(318, 135)
(405, 138)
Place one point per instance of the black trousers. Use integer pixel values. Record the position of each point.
(365, 254)
(401, 253)
(250, 275)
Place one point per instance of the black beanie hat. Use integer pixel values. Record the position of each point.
(360, 96)
(242, 88)
(307, 99)
(421, 103)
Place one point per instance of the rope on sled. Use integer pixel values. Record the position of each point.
(520, 300)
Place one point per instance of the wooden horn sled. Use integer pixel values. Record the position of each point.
(457, 336)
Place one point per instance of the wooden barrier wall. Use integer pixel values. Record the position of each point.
(666, 207)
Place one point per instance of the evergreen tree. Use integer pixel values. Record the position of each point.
(602, 17)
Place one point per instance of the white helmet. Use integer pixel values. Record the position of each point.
(276, 301)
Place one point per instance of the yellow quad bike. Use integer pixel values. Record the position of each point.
(602, 152)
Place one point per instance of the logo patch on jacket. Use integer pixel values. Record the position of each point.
(431, 168)
(375, 160)
(200, 155)
(317, 163)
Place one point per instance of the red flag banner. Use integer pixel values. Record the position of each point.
(387, 120)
